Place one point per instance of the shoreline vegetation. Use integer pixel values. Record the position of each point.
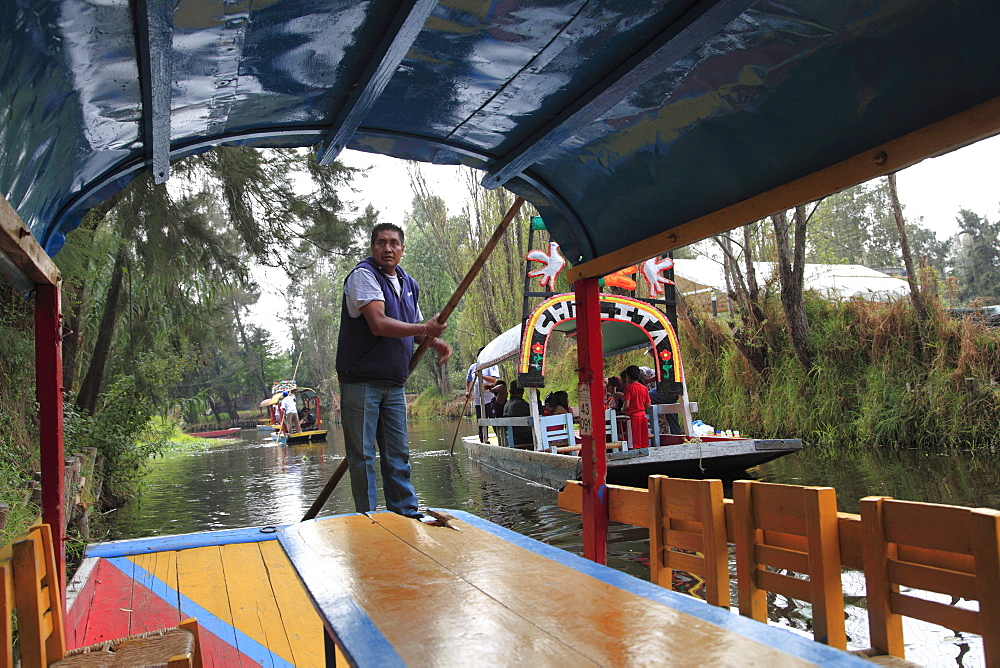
(868, 387)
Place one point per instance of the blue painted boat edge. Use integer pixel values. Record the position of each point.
(357, 635)
(125, 548)
(245, 644)
(772, 636)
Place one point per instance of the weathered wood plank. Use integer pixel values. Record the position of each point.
(251, 599)
(149, 611)
(301, 623)
(24, 252)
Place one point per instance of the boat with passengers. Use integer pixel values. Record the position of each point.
(628, 323)
(633, 132)
(306, 398)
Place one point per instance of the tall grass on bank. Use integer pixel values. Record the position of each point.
(868, 386)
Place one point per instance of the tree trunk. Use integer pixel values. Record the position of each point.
(227, 400)
(791, 266)
(90, 389)
(743, 292)
(919, 308)
(71, 339)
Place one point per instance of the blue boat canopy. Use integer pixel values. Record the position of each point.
(633, 127)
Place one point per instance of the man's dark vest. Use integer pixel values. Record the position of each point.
(362, 356)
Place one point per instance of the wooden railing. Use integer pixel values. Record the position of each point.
(630, 505)
(778, 530)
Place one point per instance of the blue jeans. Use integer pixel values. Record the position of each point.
(376, 412)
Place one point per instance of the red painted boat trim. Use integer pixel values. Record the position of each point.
(122, 606)
(215, 434)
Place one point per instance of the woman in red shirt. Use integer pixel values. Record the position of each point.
(635, 400)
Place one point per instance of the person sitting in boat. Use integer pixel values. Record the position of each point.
(516, 406)
(307, 420)
(494, 408)
(557, 403)
(613, 393)
(635, 402)
(658, 397)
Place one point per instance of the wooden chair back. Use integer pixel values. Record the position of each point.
(689, 515)
(557, 430)
(37, 598)
(937, 548)
(7, 610)
(40, 627)
(611, 430)
(791, 528)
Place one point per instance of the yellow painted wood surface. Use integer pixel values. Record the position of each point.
(251, 598)
(251, 586)
(6, 610)
(438, 596)
(298, 618)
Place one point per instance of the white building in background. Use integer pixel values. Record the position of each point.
(835, 281)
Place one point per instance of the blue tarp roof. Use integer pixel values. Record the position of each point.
(617, 119)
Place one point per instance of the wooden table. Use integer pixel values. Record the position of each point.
(394, 591)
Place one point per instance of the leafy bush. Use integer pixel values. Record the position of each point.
(123, 430)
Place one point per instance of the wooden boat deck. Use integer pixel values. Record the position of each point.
(251, 606)
(397, 592)
(394, 591)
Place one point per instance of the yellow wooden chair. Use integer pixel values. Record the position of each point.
(689, 515)
(931, 547)
(6, 608)
(40, 629)
(792, 528)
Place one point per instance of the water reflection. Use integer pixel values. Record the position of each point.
(254, 482)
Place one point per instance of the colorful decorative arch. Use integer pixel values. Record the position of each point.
(560, 308)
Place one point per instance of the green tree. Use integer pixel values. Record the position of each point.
(976, 258)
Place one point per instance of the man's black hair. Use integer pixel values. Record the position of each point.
(382, 227)
(515, 388)
(633, 373)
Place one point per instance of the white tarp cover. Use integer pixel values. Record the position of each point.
(835, 281)
(501, 348)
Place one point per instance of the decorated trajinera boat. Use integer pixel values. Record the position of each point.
(632, 132)
(551, 455)
(305, 398)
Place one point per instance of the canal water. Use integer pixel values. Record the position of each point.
(256, 482)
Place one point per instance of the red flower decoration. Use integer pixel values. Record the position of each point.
(666, 355)
(538, 348)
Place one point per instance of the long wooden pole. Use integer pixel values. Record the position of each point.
(461, 419)
(470, 276)
(442, 317)
(328, 488)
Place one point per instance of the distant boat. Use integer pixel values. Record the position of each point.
(308, 398)
(218, 433)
